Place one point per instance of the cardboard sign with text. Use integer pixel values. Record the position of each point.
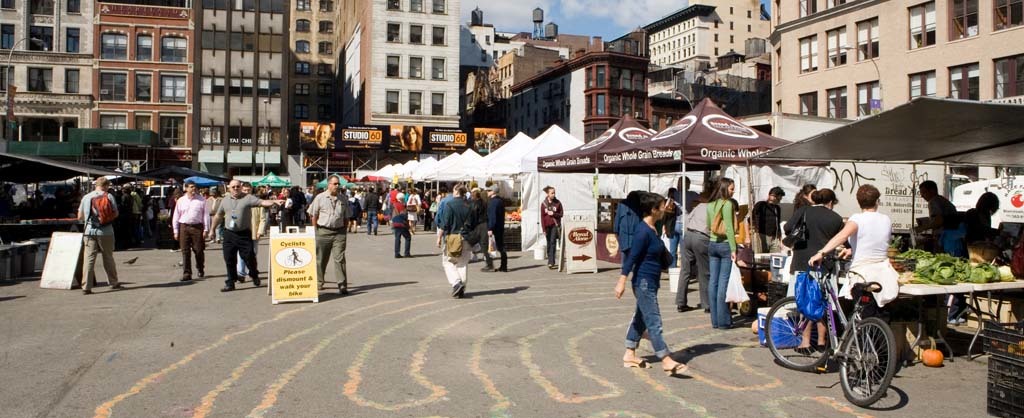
(63, 268)
(293, 266)
(579, 234)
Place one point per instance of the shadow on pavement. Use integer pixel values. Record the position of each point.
(524, 268)
(691, 353)
(378, 286)
(6, 298)
(176, 283)
(508, 291)
(889, 402)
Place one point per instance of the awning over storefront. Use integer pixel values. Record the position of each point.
(18, 168)
(134, 137)
(627, 133)
(925, 129)
(180, 173)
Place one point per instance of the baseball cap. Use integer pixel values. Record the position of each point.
(493, 188)
(777, 191)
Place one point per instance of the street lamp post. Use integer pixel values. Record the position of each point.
(7, 81)
(878, 74)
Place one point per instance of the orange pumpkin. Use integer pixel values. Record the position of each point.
(932, 357)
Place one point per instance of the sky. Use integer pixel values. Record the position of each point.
(609, 19)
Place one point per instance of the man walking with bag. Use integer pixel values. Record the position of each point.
(330, 212)
(455, 252)
(189, 222)
(496, 230)
(98, 210)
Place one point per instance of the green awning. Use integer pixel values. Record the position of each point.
(323, 183)
(272, 180)
(46, 148)
(136, 137)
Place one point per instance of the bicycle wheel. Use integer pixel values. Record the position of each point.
(868, 362)
(783, 330)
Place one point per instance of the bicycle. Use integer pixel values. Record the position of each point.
(866, 351)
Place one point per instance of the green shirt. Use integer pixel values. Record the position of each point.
(728, 218)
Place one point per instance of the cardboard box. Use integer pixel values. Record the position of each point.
(1010, 310)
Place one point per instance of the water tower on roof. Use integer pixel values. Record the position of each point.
(538, 23)
(477, 17)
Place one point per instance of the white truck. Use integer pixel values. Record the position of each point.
(1010, 191)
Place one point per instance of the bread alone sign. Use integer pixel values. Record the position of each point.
(580, 249)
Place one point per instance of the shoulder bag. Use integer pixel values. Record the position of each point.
(798, 234)
(718, 223)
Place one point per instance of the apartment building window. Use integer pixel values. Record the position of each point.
(437, 104)
(437, 69)
(808, 7)
(613, 105)
(73, 43)
(269, 88)
(416, 6)
(172, 88)
(922, 25)
(394, 32)
(415, 34)
(394, 5)
(836, 47)
(809, 104)
(716, 37)
(302, 47)
(302, 111)
(415, 103)
(271, 43)
(600, 76)
(1009, 13)
(837, 103)
(172, 130)
(45, 36)
(302, 89)
(438, 35)
(323, 112)
(833, 3)
(113, 46)
(144, 87)
(326, 26)
(748, 14)
(71, 78)
(324, 69)
(326, 48)
(74, 6)
(7, 4)
(143, 122)
(964, 19)
(866, 94)
(391, 102)
(867, 39)
(41, 7)
(209, 134)
(301, 68)
(173, 49)
(922, 84)
(302, 25)
(6, 36)
(303, 5)
(326, 5)
(1010, 77)
(113, 122)
(392, 62)
(439, 6)
(600, 110)
(964, 82)
(143, 48)
(748, 29)
(211, 85)
(113, 86)
(809, 54)
(416, 67)
(324, 90)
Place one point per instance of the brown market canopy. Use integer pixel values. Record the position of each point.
(925, 129)
(705, 136)
(19, 168)
(626, 133)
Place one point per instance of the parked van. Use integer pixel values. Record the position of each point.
(1010, 191)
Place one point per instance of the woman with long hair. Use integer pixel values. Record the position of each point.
(721, 250)
(822, 224)
(645, 260)
(803, 198)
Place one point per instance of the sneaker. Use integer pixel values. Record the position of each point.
(116, 287)
(457, 289)
(86, 292)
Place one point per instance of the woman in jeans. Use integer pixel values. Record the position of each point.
(721, 251)
(645, 260)
(551, 221)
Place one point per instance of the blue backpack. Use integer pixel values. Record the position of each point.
(809, 300)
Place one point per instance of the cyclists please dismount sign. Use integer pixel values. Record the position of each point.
(293, 266)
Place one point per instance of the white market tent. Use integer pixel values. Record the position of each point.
(574, 190)
(452, 168)
(505, 161)
(425, 167)
(405, 170)
(387, 172)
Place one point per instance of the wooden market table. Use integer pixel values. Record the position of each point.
(1000, 289)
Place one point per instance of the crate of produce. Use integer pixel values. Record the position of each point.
(1005, 388)
(1004, 341)
(776, 291)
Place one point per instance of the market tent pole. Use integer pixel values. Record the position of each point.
(913, 206)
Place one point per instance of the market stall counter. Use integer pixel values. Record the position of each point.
(997, 290)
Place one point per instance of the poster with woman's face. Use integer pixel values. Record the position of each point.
(313, 135)
(407, 138)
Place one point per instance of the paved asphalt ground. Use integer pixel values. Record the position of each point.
(528, 343)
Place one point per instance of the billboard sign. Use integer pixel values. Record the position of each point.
(407, 138)
(487, 140)
(363, 137)
(446, 139)
(316, 136)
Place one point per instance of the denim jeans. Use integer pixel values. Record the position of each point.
(673, 244)
(371, 222)
(399, 234)
(647, 317)
(552, 242)
(718, 282)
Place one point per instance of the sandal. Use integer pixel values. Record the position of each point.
(638, 363)
(679, 369)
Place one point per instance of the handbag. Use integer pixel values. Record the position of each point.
(492, 246)
(717, 223)
(735, 293)
(453, 245)
(798, 234)
(808, 296)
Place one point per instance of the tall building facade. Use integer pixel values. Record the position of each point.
(846, 60)
(242, 63)
(400, 62)
(143, 71)
(314, 50)
(695, 36)
(49, 48)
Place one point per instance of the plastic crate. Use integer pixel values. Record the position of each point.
(1004, 341)
(1005, 402)
(1008, 374)
(776, 291)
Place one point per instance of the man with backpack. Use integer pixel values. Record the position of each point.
(98, 210)
(452, 225)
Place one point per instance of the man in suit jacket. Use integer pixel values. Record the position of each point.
(496, 229)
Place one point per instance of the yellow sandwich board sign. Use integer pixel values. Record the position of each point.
(293, 266)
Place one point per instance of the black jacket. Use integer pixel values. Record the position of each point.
(372, 202)
(496, 214)
(822, 225)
